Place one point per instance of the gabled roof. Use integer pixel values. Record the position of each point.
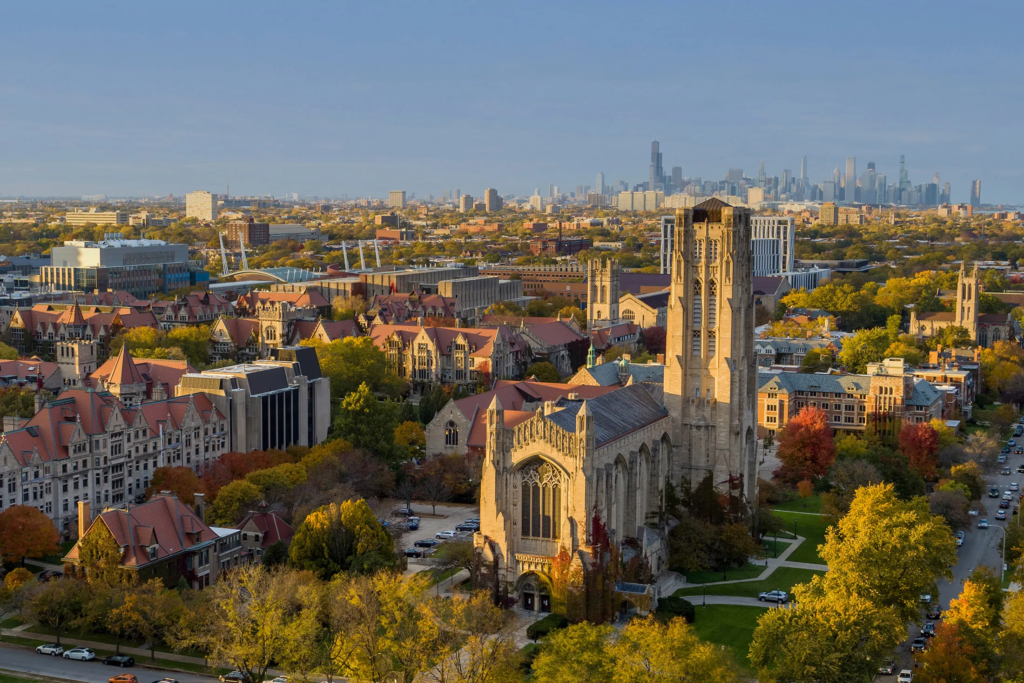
(554, 333)
(124, 370)
(154, 371)
(164, 521)
(271, 526)
(607, 374)
(616, 414)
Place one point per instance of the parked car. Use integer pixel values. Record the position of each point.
(993, 492)
(983, 524)
(279, 679)
(918, 645)
(1007, 495)
(934, 612)
(425, 543)
(1020, 469)
(444, 535)
(48, 574)
(926, 598)
(405, 512)
(413, 552)
(118, 660)
(1006, 449)
(1005, 470)
(1011, 442)
(234, 677)
(773, 596)
(82, 654)
(468, 526)
(52, 649)
(124, 678)
(928, 630)
(1001, 515)
(959, 541)
(167, 680)
(905, 676)
(1013, 486)
(888, 668)
(474, 519)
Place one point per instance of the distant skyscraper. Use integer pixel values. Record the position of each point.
(551, 191)
(657, 175)
(677, 178)
(396, 199)
(600, 183)
(904, 179)
(734, 175)
(975, 193)
(803, 168)
(760, 175)
(851, 180)
(492, 202)
(836, 176)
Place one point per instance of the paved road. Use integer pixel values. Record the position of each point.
(26, 661)
(697, 600)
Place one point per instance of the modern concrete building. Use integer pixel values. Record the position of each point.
(466, 203)
(139, 267)
(294, 232)
(781, 228)
(492, 201)
(828, 214)
(270, 403)
(396, 199)
(201, 205)
(96, 217)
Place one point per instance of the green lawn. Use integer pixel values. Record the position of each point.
(775, 546)
(812, 504)
(11, 622)
(58, 557)
(810, 527)
(783, 578)
(731, 626)
(747, 571)
(4, 678)
(438, 575)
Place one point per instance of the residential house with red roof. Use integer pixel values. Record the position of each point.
(557, 342)
(163, 538)
(392, 309)
(260, 530)
(425, 356)
(89, 446)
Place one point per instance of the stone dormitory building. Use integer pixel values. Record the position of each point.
(552, 463)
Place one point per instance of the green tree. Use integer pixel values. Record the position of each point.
(649, 650)
(57, 605)
(888, 550)
(17, 401)
(544, 372)
(367, 423)
(99, 555)
(8, 352)
(865, 346)
(345, 537)
(577, 654)
(354, 361)
(232, 501)
(193, 341)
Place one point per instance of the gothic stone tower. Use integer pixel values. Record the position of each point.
(966, 313)
(602, 293)
(711, 375)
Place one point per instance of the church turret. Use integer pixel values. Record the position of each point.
(591, 356)
(495, 428)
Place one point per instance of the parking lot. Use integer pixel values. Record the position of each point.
(449, 516)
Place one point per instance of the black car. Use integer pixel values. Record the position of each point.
(918, 645)
(934, 612)
(928, 630)
(119, 660)
(48, 574)
(468, 526)
(425, 543)
(413, 552)
(1006, 449)
(1004, 504)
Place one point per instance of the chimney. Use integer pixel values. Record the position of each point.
(84, 517)
(38, 401)
(200, 506)
(660, 358)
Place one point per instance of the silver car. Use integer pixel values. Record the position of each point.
(82, 654)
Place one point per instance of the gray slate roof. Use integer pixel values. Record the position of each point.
(616, 414)
(785, 382)
(607, 374)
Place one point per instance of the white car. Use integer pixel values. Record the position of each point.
(446, 534)
(905, 676)
(1007, 495)
(1013, 486)
(973, 512)
(82, 654)
(926, 598)
(52, 649)
(279, 679)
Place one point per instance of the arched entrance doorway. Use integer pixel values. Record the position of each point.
(534, 593)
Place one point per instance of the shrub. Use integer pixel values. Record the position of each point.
(805, 488)
(551, 622)
(671, 607)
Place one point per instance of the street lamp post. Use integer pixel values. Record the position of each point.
(704, 598)
(1002, 565)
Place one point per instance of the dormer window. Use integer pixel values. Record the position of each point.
(151, 551)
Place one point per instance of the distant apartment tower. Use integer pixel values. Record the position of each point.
(201, 205)
(492, 202)
(975, 193)
(828, 214)
(776, 228)
(668, 234)
(600, 183)
(396, 199)
(851, 180)
(466, 203)
(248, 232)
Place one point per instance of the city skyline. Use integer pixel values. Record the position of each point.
(318, 114)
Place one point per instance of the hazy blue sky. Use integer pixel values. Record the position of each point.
(331, 98)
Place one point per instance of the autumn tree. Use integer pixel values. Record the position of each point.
(99, 556)
(949, 658)
(889, 550)
(345, 537)
(969, 474)
(353, 361)
(182, 481)
(670, 652)
(846, 476)
(57, 605)
(26, 532)
(14, 590)
(367, 423)
(410, 436)
(920, 442)
(951, 506)
(1010, 646)
(806, 449)
(577, 654)
(828, 635)
(232, 502)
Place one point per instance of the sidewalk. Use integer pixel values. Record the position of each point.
(773, 564)
(140, 653)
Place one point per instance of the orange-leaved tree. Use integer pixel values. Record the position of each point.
(806, 449)
(920, 443)
(182, 481)
(950, 658)
(26, 532)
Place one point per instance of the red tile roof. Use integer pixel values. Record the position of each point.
(272, 527)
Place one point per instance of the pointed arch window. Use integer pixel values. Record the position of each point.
(713, 250)
(451, 434)
(695, 344)
(712, 303)
(540, 500)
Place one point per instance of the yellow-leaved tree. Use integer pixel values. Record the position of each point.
(345, 537)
